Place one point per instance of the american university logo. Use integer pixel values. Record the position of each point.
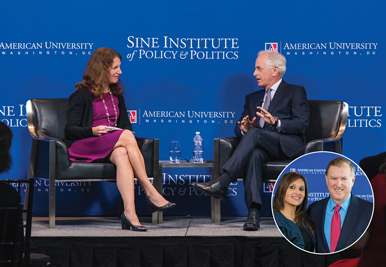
(45, 48)
(268, 187)
(132, 116)
(323, 48)
(272, 47)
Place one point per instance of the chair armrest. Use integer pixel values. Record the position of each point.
(143, 141)
(61, 148)
(62, 157)
(334, 145)
(44, 138)
(150, 152)
(46, 149)
(227, 146)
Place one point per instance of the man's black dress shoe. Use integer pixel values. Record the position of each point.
(253, 222)
(212, 188)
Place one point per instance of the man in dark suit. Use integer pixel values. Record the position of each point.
(352, 213)
(271, 127)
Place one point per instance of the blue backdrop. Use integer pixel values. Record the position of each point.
(187, 66)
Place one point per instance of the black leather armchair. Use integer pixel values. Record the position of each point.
(325, 131)
(49, 155)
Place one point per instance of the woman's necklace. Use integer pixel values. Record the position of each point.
(107, 113)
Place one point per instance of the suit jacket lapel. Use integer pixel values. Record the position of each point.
(257, 102)
(259, 99)
(278, 95)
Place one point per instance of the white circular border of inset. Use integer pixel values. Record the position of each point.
(285, 170)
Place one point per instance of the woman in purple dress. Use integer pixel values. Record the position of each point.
(98, 129)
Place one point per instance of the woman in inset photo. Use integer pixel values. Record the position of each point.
(290, 211)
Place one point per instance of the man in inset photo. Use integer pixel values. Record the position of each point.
(341, 219)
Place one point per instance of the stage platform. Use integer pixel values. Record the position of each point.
(179, 241)
(172, 226)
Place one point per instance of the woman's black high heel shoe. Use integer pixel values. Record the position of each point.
(126, 224)
(154, 208)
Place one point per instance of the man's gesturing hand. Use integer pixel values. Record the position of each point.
(245, 124)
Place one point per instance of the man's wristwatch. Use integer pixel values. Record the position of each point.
(276, 121)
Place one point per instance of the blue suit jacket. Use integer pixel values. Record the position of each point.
(355, 224)
(291, 106)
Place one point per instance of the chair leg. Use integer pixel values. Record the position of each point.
(154, 218)
(157, 217)
(215, 202)
(216, 210)
(52, 190)
(212, 209)
(51, 212)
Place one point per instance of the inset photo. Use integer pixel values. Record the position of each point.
(322, 202)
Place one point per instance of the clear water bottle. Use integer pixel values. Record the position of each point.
(198, 148)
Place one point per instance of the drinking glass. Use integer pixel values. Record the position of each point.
(175, 151)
